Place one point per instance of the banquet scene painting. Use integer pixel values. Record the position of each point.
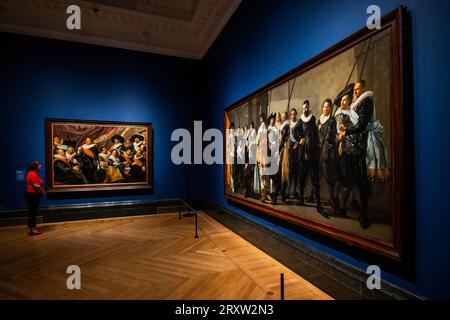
(86, 153)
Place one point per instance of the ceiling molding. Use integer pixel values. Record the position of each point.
(167, 33)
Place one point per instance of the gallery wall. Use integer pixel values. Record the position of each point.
(57, 79)
(265, 39)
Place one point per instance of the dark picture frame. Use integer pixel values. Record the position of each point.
(60, 191)
(400, 140)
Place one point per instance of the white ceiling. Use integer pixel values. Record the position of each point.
(182, 28)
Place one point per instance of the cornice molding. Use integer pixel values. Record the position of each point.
(120, 28)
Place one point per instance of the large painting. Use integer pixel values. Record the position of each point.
(322, 146)
(98, 155)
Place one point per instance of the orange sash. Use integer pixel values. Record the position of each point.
(89, 152)
(126, 158)
(138, 162)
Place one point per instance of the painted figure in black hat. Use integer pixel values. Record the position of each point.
(117, 141)
(354, 155)
(309, 155)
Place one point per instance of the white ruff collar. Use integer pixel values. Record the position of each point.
(286, 123)
(262, 127)
(361, 98)
(323, 118)
(306, 118)
(343, 111)
(70, 156)
(88, 146)
(349, 112)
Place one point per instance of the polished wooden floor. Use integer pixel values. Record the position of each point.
(147, 257)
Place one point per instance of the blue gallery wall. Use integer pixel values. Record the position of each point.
(51, 78)
(265, 39)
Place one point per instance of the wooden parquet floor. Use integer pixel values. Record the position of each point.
(146, 257)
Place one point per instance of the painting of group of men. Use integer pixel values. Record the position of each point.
(116, 156)
(343, 146)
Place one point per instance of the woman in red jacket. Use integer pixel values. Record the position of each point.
(34, 192)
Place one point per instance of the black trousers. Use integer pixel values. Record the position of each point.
(354, 172)
(249, 170)
(32, 199)
(310, 168)
(293, 169)
(328, 170)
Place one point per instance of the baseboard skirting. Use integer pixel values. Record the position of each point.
(95, 210)
(344, 273)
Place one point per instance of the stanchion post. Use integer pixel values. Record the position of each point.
(281, 286)
(196, 226)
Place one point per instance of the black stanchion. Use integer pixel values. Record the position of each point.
(281, 286)
(196, 226)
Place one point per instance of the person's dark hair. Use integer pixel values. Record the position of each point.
(252, 125)
(362, 82)
(33, 165)
(327, 101)
(293, 109)
(232, 125)
(306, 102)
(263, 116)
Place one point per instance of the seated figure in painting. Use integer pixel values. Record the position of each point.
(138, 167)
(138, 142)
(128, 145)
(128, 158)
(58, 143)
(113, 172)
(64, 172)
(103, 158)
(72, 156)
(117, 141)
